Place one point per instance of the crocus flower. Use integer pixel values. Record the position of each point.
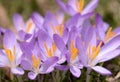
(73, 7)
(73, 62)
(48, 47)
(103, 31)
(91, 52)
(11, 54)
(34, 62)
(24, 30)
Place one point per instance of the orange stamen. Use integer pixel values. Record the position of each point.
(73, 50)
(36, 61)
(109, 34)
(29, 26)
(80, 5)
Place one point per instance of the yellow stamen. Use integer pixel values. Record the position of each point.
(49, 51)
(73, 50)
(9, 54)
(80, 5)
(29, 26)
(109, 34)
(96, 50)
(60, 29)
(54, 47)
(36, 61)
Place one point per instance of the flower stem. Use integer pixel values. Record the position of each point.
(88, 74)
(19, 78)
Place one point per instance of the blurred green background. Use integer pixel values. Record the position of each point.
(109, 9)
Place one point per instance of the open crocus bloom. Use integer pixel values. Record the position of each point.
(54, 24)
(11, 54)
(73, 62)
(24, 29)
(92, 52)
(34, 62)
(103, 31)
(48, 47)
(77, 6)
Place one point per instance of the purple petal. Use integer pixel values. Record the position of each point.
(32, 75)
(117, 30)
(81, 50)
(44, 37)
(110, 45)
(90, 7)
(18, 22)
(9, 40)
(3, 59)
(62, 67)
(75, 71)
(65, 35)
(59, 42)
(26, 64)
(83, 18)
(101, 70)
(101, 27)
(60, 16)
(72, 21)
(26, 49)
(108, 56)
(18, 71)
(49, 64)
(66, 7)
(37, 19)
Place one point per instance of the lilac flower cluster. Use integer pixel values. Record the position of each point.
(44, 44)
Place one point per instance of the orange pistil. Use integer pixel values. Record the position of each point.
(80, 5)
(50, 51)
(30, 24)
(109, 34)
(58, 29)
(95, 51)
(36, 61)
(9, 53)
(73, 50)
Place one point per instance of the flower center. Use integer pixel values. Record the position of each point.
(92, 53)
(73, 50)
(58, 29)
(109, 34)
(36, 62)
(30, 24)
(51, 50)
(10, 54)
(80, 5)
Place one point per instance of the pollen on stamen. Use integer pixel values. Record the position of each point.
(29, 26)
(36, 61)
(9, 54)
(73, 50)
(109, 34)
(80, 5)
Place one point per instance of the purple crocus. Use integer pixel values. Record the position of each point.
(48, 47)
(73, 62)
(11, 54)
(24, 30)
(91, 52)
(103, 31)
(34, 61)
(73, 7)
